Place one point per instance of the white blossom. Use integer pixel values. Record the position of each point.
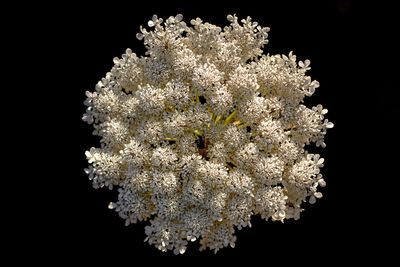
(205, 131)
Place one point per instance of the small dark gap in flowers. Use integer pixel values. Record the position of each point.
(202, 145)
(289, 204)
(127, 92)
(171, 142)
(202, 99)
(230, 165)
(312, 148)
(248, 129)
(200, 142)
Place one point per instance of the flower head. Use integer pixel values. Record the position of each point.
(205, 131)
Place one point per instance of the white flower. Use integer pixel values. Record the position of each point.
(205, 131)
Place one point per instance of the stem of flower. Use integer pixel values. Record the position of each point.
(229, 118)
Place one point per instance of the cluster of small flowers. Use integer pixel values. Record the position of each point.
(205, 131)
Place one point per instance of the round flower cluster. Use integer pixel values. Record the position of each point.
(205, 131)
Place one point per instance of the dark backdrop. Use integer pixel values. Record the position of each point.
(352, 50)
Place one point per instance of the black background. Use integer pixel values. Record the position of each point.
(353, 52)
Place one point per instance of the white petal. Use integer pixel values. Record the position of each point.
(150, 23)
(178, 17)
(139, 36)
(315, 84)
(88, 154)
(318, 194)
(148, 230)
(322, 182)
(329, 125)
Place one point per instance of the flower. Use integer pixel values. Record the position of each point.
(205, 131)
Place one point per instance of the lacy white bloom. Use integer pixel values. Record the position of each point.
(205, 131)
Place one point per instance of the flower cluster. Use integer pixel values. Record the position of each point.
(205, 131)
